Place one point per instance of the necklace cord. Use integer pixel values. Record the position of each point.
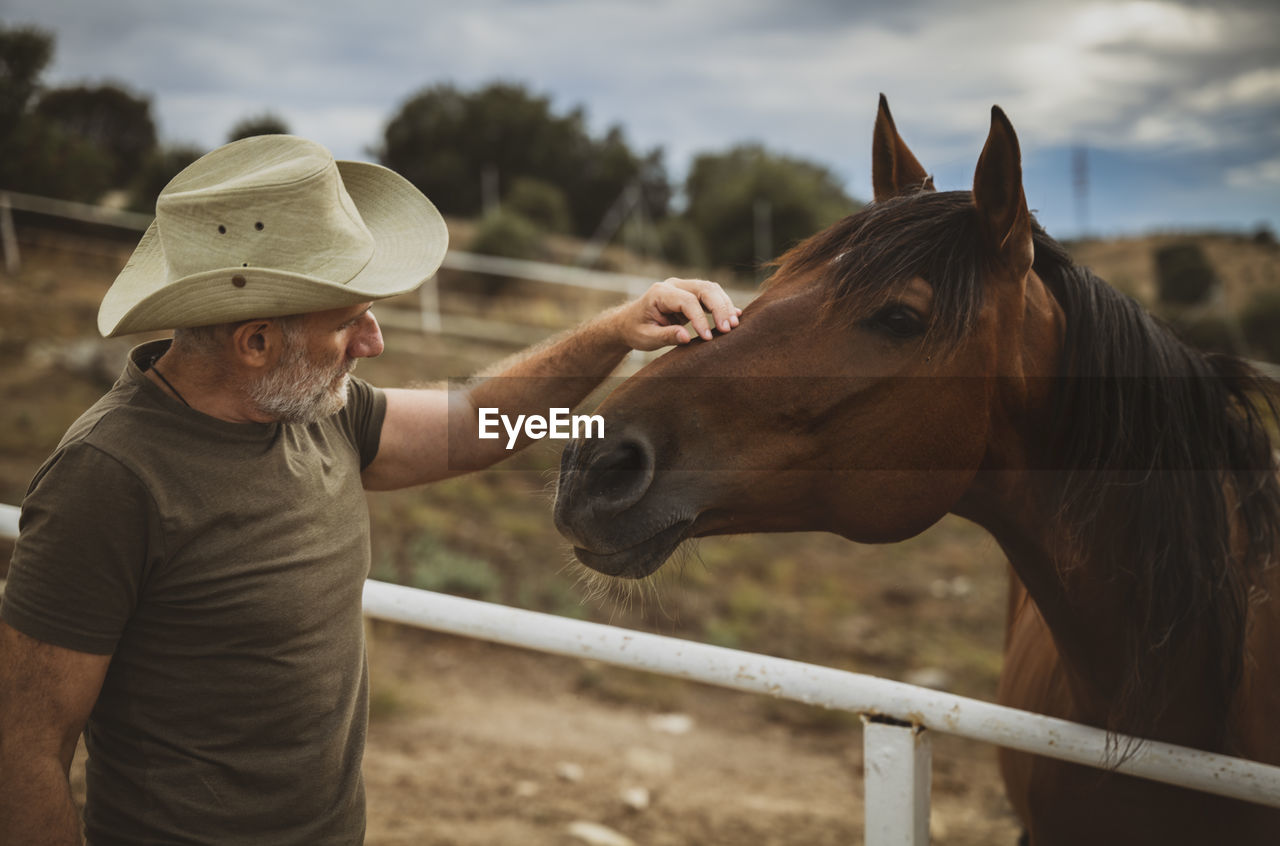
(167, 383)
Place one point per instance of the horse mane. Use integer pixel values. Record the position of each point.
(1167, 476)
(1170, 479)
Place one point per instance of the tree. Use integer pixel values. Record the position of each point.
(266, 123)
(444, 140)
(610, 169)
(108, 117)
(36, 155)
(727, 191)
(73, 143)
(24, 54)
(539, 202)
(40, 158)
(162, 165)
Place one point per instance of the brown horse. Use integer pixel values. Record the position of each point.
(938, 352)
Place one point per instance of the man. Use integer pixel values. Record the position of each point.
(186, 586)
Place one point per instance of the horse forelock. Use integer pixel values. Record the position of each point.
(861, 262)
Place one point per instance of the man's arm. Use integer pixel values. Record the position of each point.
(46, 695)
(416, 446)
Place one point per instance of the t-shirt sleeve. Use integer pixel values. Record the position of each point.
(87, 531)
(362, 418)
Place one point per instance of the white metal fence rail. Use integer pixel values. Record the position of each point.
(429, 318)
(623, 284)
(897, 716)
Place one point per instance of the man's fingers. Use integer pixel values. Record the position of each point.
(675, 335)
(655, 337)
(669, 300)
(656, 318)
(691, 307)
(713, 299)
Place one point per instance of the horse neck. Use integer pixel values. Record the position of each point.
(1089, 607)
(1131, 491)
(1082, 607)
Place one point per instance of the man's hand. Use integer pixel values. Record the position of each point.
(657, 318)
(427, 434)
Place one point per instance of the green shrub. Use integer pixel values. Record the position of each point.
(1183, 274)
(1260, 322)
(509, 234)
(434, 566)
(506, 234)
(159, 167)
(539, 202)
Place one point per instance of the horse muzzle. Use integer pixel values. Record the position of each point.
(604, 507)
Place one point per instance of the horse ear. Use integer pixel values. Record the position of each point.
(894, 170)
(998, 195)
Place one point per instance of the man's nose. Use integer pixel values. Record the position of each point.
(367, 343)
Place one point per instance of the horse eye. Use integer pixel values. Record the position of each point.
(899, 321)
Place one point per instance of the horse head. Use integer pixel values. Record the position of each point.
(863, 392)
(939, 352)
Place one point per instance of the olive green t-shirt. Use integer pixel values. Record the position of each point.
(221, 566)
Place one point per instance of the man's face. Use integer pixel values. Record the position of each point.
(309, 381)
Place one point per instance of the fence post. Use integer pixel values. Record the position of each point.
(897, 766)
(8, 239)
(429, 305)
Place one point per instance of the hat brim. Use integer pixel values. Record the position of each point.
(409, 242)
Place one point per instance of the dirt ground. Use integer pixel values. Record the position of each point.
(474, 744)
(479, 744)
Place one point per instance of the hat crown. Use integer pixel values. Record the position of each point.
(270, 226)
(271, 201)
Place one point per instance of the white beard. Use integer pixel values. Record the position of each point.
(297, 391)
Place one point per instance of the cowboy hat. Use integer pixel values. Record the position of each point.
(269, 226)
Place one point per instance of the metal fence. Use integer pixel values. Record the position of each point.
(428, 317)
(897, 717)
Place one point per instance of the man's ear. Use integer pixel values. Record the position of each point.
(256, 343)
(894, 168)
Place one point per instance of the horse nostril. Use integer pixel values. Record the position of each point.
(619, 478)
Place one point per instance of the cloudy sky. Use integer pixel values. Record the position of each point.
(1177, 104)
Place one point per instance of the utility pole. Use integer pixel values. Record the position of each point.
(1080, 187)
(762, 214)
(489, 192)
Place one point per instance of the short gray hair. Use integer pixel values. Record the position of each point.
(207, 340)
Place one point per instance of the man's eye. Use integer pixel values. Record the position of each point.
(899, 321)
